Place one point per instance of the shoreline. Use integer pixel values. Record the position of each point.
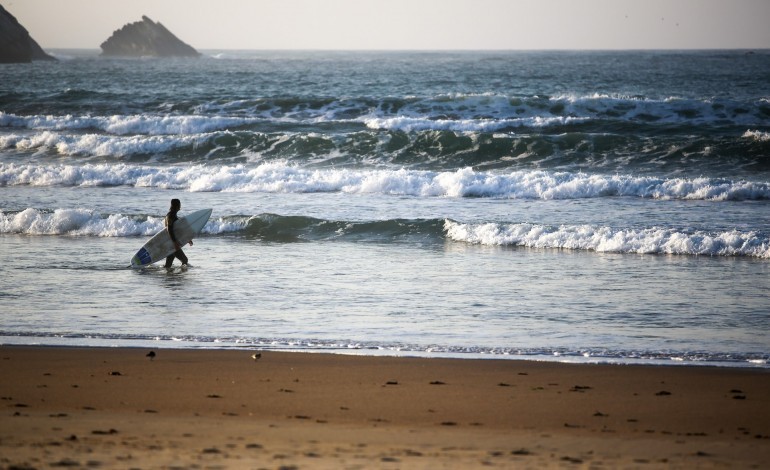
(107, 407)
(565, 358)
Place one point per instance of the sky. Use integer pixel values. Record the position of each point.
(409, 24)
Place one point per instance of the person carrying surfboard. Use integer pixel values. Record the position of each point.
(172, 217)
(167, 244)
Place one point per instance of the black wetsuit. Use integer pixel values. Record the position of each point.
(171, 217)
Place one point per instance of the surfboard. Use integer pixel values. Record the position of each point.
(161, 245)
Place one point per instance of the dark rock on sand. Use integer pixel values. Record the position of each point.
(16, 45)
(146, 38)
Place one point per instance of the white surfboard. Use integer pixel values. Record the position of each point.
(161, 245)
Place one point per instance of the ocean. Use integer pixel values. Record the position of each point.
(559, 206)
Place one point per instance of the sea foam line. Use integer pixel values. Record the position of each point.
(605, 239)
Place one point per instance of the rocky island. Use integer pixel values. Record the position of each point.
(146, 38)
(16, 45)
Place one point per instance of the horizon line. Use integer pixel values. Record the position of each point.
(630, 49)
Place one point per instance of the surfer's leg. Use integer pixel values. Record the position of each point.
(170, 260)
(182, 257)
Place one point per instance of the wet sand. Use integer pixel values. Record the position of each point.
(120, 408)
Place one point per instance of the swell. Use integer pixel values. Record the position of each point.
(484, 112)
(285, 177)
(277, 228)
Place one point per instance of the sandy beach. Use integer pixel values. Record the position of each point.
(120, 408)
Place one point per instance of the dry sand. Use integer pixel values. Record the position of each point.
(119, 408)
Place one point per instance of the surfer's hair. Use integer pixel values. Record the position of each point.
(176, 204)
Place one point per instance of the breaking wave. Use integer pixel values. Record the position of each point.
(605, 239)
(282, 177)
(126, 125)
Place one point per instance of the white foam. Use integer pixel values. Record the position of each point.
(229, 225)
(281, 177)
(76, 222)
(99, 145)
(605, 239)
(410, 124)
(757, 135)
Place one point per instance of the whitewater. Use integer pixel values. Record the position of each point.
(571, 206)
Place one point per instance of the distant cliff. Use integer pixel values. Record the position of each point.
(146, 38)
(16, 45)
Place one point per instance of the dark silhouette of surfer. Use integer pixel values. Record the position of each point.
(171, 218)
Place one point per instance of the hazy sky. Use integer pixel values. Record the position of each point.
(409, 24)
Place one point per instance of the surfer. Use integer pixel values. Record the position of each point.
(171, 217)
